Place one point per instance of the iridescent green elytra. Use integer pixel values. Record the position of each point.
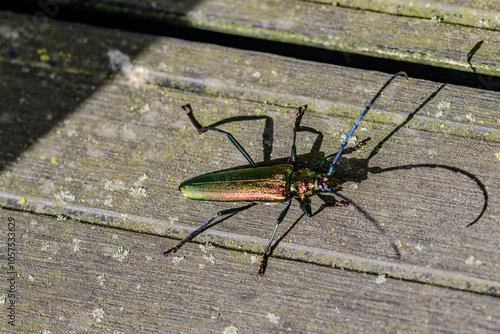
(259, 184)
(278, 183)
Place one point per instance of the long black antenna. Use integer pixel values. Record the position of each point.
(344, 143)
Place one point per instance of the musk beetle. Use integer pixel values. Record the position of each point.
(278, 183)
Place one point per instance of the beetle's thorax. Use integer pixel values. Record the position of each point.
(305, 183)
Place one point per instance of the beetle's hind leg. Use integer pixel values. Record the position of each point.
(207, 225)
(201, 129)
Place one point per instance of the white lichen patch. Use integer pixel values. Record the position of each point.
(108, 185)
(76, 244)
(380, 279)
(483, 23)
(209, 258)
(206, 247)
(101, 279)
(108, 201)
(444, 105)
(71, 133)
(65, 196)
(352, 140)
(471, 260)
(138, 192)
(273, 318)
(439, 114)
(141, 180)
(145, 108)
(470, 116)
(98, 314)
(121, 254)
(256, 74)
(230, 330)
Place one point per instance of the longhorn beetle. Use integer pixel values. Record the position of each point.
(279, 183)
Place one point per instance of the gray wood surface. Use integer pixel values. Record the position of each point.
(92, 159)
(458, 35)
(83, 278)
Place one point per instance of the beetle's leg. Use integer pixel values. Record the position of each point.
(293, 156)
(349, 150)
(334, 203)
(305, 204)
(201, 129)
(206, 226)
(263, 261)
(360, 145)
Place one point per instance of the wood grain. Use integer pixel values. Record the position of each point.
(440, 34)
(108, 149)
(84, 278)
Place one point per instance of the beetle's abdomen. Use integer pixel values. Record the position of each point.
(266, 184)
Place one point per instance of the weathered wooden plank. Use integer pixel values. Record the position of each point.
(276, 80)
(439, 34)
(77, 277)
(118, 158)
(482, 14)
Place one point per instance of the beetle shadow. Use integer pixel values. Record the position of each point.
(268, 139)
(350, 169)
(327, 198)
(474, 178)
(315, 154)
(356, 170)
(378, 170)
(267, 134)
(472, 52)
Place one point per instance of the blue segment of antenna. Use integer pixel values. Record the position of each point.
(344, 143)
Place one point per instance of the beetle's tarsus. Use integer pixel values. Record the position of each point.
(170, 251)
(263, 265)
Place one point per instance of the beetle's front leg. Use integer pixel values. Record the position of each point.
(334, 203)
(360, 145)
